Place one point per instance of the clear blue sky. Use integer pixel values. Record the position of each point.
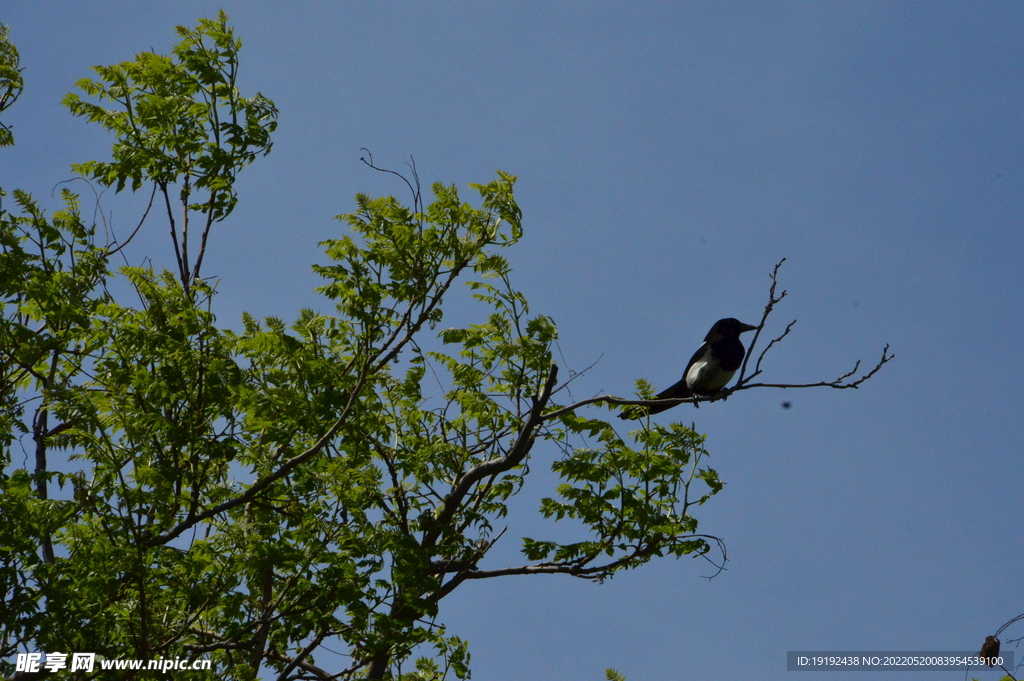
(669, 154)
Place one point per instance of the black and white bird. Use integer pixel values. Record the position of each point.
(710, 369)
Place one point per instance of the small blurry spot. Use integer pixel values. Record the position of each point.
(703, 241)
(787, 405)
(856, 304)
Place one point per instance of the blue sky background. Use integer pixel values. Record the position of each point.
(669, 154)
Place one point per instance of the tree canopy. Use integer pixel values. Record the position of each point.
(290, 500)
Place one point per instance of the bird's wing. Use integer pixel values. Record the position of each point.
(701, 356)
(680, 390)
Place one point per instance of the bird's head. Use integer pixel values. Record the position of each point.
(727, 328)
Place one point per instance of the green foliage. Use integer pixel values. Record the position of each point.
(50, 270)
(291, 500)
(644, 391)
(11, 83)
(180, 121)
(179, 117)
(612, 675)
(635, 501)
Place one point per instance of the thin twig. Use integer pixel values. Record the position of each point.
(757, 366)
(769, 306)
(838, 383)
(137, 227)
(417, 197)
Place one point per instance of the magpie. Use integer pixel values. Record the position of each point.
(990, 651)
(709, 370)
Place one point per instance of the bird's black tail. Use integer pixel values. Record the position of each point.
(679, 391)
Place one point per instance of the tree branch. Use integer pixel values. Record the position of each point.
(205, 235)
(182, 266)
(624, 402)
(265, 482)
(838, 383)
(743, 383)
(300, 660)
(576, 569)
(138, 226)
(494, 466)
(769, 306)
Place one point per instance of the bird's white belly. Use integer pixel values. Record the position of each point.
(705, 377)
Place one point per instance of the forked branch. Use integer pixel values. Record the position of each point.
(848, 380)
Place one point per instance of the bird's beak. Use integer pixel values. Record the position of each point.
(747, 327)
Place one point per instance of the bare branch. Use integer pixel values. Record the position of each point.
(206, 233)
(838, 383)
(1002, 628)
(137, 227)
(417, 197)
(720, 567)
(769, 306)
(743, 383)
(757, 367)
(182, 265)
(186, 192)
(573, 375)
